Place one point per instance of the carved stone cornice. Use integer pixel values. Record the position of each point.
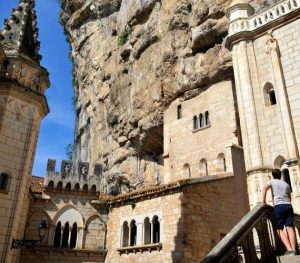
(14, 89)
(27, 74)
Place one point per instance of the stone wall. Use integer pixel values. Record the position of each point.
(267, 67)
(169, 210)
(64, 207)
(19, 125)
(189, 219)
(185, 144)
(59, 256)
(210, 210)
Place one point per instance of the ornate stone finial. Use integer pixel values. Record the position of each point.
(51, 165)
(271, 43)
(66, 168)
(20, 33)
(83, 170)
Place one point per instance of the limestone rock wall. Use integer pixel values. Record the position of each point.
(132, 59)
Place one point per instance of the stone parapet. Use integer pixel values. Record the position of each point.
(68, 179)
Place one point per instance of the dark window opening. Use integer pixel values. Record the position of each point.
(147, 231)
(201, 120)
(224, 164)
(179, 112)
(77, 187)
(287, 178)
(59, 186)
(73, 236)
(85, 188)
(195, 121)
(50, 186)
(93, 189)
(68, 187)
(3, 181)
(206, 118)
(272, 97)
(125, 234)
(156, 230)
(65, 239)
(57, 235)
(133, 232)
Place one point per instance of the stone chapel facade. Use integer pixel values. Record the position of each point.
(219, 149)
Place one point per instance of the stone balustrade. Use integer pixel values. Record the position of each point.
(264, 17)
(253, 239)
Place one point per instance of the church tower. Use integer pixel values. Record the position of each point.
(264, 40)
(23, 82)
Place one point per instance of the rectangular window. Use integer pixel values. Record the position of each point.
(179, 112)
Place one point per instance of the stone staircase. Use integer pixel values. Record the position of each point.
(289, 259)
(253, 240)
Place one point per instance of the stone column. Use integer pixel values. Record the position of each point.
(69, 237)
(247, 96)
(238, 86)
(143, 234)
(282, 99)
(139, 238)
(151, 237)
(51, 236)
(80, 233)
(121, 236)
(61, 235)
(129, 235)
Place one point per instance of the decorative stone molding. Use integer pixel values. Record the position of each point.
(141, 248)
(261, 169)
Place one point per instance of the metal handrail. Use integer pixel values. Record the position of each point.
(244, 244)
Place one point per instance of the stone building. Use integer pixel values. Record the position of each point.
(181, 115)
(22, 106)
(265, 52)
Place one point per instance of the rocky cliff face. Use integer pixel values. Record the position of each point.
(132, 59)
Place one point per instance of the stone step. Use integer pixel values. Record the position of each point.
(289, 259)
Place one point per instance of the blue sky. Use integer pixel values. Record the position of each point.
(57, 127)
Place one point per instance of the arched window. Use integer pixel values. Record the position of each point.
(221, 163)
(85, 188)
(4, 181)
(73, 239)
(186, 171)
(125, 234)
(93, 189)
(179, 112)
(65, 238)
(59, 186)
(77, 187)
(57, 235)
(68, 187)
(133, 232)
(201, 120)
(147, 231)
(206, 118)
(272, 97)
(195, 122)
(269, 95)
(50, 186)
(287, 178)
(156, 230)
(203, 167)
